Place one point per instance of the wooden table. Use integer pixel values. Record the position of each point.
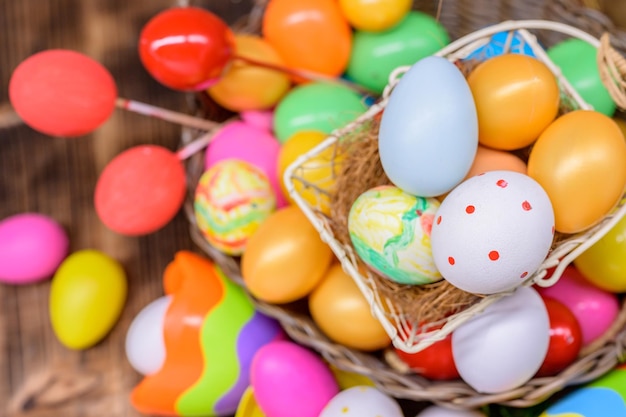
(38, 376)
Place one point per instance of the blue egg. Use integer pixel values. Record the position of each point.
(498, 45)
(429, 129)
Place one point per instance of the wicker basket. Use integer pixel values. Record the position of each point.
(460, 18)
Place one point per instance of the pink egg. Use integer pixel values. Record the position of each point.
(594, 308)
(251, 144)
(263, 119)
(289, 380)
(32, 246)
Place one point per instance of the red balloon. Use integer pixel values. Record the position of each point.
(565, 338)
(186, 48)
(64, 93)
(140, 190)
(435, 362)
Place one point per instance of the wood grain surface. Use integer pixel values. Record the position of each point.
(38, 376)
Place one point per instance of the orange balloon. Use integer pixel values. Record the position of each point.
(312, 35)
(341, 311)
(251, 87)
(580, 161)
(285, 259)
(516, 98)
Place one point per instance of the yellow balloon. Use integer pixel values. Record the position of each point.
(285, 258)
(87, 295)
(320, 171)
(580, 161)
(341, 311)
(248, 406)
(604, 263)
(374, 15)
(251, 87)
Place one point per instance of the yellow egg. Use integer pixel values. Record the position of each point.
(87, 296)
(341, 311)
(294, 147)
(320, 171)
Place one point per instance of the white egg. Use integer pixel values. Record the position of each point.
(145, 344)
(502, 347)
(362, 401)
(492, 231)
(437, 411)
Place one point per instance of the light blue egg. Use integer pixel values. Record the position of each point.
(429, 129)
(498, 45)
(589, 402)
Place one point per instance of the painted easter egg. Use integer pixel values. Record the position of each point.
(604, 263)
(145, 347)
(87, 295)
(376, 54)
(581, 197)
(594, 308)
(430, 118)
(501, 43)
(374, 16)
(286, 258)
(606, 396)
(32, 246)
(232, 199)
(316, 106)
(512, 118)
(255, 145)
(336, 304)
(362, 401)
(492, 231)
(251, 87)
(140, 190)
(211, 333)
(502, 347)
(290, 380)
(390, 231)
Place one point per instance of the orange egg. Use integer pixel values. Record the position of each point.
(580, 161)
(285, 258)
(488, 159)
(516, 98)
(251, 87)
(341, 311)
(312, 35)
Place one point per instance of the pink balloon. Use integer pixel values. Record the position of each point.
(251, 144)
(594, 308)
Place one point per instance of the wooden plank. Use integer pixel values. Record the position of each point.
(56, 177)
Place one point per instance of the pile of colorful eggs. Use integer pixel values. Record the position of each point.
(298, 80)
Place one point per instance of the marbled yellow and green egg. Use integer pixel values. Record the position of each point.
(232, 199)
(390, 231)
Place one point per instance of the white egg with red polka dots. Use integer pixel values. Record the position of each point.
(362, 401)
(492, 232)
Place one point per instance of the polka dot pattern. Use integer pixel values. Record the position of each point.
(492, 230)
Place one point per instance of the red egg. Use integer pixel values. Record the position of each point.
(186, 48)
(63, 93)
(565, 338)
(140, 190)
(434, 362)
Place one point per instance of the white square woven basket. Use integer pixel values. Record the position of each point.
(405, 332)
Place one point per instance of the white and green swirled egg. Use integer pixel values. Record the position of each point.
(390, 231)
